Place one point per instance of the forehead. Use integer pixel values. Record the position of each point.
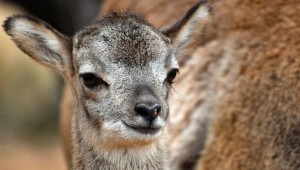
(122, 38)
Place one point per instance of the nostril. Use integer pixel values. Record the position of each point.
(156, 109)
(148, 112)
(142, 110)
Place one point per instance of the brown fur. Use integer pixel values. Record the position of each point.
(66, 114)
(245, 78)
(258, 121)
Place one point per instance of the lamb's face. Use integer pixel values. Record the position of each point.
(123, 71)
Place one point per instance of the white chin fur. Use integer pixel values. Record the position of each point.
(127, 133)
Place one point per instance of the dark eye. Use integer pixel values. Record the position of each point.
(171, 75)
(92, 81)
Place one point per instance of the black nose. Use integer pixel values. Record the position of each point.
(148, 112)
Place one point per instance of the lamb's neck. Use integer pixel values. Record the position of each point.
(147, 157)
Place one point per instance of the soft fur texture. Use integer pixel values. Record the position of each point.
(111, 67)
(245, 78)
(257, 122)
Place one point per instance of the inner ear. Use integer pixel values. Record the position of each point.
(199, 12)
(185, 34)
(40, 41)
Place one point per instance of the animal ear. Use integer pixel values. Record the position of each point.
(40, 41)
(186, 32)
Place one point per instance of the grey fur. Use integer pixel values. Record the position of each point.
(131, 60)
(126, 54)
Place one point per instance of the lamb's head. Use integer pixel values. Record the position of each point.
(124, 69)
(120, 68)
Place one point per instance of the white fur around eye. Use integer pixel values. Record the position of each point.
(86, 68)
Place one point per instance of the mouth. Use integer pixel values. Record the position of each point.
(143, 130)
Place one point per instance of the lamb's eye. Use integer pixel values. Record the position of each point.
(91, 81)
(171, 75)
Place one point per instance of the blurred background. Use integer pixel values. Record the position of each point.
(30, 93)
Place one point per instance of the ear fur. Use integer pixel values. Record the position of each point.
(40, 41)
(186, 32)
